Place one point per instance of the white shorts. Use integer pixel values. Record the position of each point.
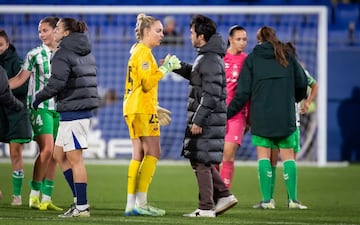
(73, 134)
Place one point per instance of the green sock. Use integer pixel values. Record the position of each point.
(17, 179)
(273, 180)
(290, 177)
(265, 176)
(35, 185)
(47, 187)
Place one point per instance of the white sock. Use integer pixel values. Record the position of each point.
(141, 198)
(130, 203)
(45, 198)
(82, 207)
(34, 193)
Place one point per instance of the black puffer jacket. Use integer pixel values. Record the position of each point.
(73, 76)
(206, 103)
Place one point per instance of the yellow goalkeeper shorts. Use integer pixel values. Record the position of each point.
(142, 125)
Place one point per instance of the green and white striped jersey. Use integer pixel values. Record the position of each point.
(37, 61)
(310, 78)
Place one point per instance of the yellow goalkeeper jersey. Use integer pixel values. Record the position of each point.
(141, 85)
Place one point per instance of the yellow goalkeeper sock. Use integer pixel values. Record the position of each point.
(133, 172)
(146, 172)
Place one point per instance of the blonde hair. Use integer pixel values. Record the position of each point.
(143, 21)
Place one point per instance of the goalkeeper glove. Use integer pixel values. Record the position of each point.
(163, 116)
(170, 63)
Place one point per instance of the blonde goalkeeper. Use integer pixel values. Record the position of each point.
(140, 108)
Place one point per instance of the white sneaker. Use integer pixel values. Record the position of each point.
(16, 201)
(81, 213)
(68, 212)
(225, 203)
(265, 205)
(296, 205)
(258, 206)
(74, 212)
(148, 210)
(201, 213)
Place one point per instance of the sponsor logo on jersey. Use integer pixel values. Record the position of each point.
(145, 65)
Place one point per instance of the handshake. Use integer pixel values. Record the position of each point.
(163, 116)
(170, 63)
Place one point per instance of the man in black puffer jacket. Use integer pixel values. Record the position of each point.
(204, 136)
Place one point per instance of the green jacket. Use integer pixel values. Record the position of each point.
(14, 125)
(271, 89)
(12, 63)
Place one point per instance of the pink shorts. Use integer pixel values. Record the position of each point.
(235, 128)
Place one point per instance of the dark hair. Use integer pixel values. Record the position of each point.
(4, 35)
(72, 25)
(235, 28)
(51, 20)
(268, 34)
(232, 30)
(290, 49)
(203, 26)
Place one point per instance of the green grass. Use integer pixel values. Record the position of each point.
(332, 195)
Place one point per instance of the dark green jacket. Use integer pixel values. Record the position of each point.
(12, 63)
(7, 99)
(14, 125)
(271, 89)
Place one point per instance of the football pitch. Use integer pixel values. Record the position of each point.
(331, 193)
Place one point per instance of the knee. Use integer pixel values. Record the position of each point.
(59, 157)
(46, 153)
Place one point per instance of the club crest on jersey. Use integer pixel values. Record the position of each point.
(145, 65)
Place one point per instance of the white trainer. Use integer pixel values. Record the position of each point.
(260, 206)
(201, 213)
(225, 203)
(16, 200)
(296, 205)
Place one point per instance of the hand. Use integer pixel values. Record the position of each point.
(304, 107)
(35, 104)
(163, 116)
(195, 129)
(170, 63)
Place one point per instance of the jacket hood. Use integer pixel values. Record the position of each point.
(77, 43)
(9, 53)
(216, 44)
(265, 50)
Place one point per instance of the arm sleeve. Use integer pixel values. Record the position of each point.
(213, 81)
(301, 81)
(184, 71)
(7, 99)
(243, 90)
(311, 80)
(60, 72)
